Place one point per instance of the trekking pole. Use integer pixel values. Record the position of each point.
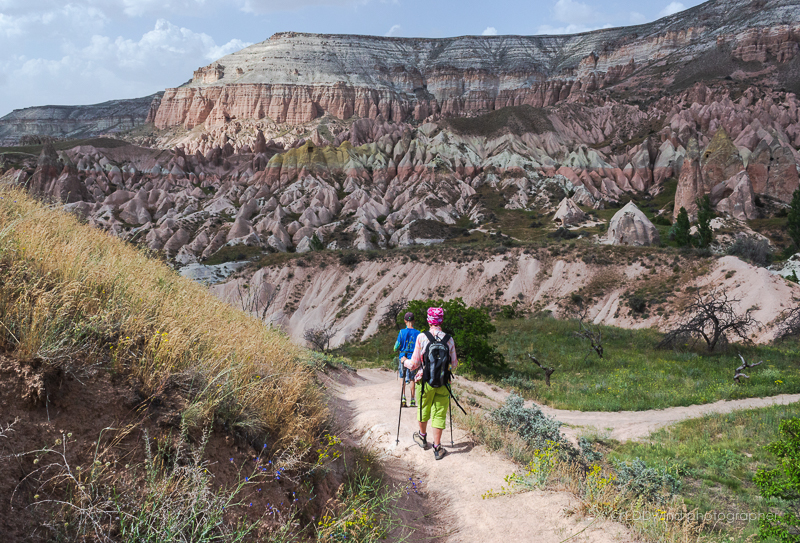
(402, 393)
(451, 420)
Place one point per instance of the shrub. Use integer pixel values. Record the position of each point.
(512, 311)
(784, 483)
(680, 230)
(757, 251)
(653, 484)
(349, 259)
(470, 327)
(532, 425)
(704, 215)
(587, 450)
(793, 218)
(517, 381)
(562, 233)
(637, 303)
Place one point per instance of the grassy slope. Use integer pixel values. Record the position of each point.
(73, 293)
(633, 375)
(717, 456)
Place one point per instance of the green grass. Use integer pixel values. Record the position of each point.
(233, 253)
(717, 455)
(634, 375)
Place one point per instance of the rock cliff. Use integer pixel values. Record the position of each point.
(77, 121)
(296, 78)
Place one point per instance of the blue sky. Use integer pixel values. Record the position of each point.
(89, 51)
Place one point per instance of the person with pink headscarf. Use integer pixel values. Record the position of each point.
(434, 402)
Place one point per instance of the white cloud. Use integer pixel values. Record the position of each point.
(572, 12)
(569, 29)
(270, 6)
(490, 31)
(107, 67)
(671, 9)
(637, 18)
(393, 31)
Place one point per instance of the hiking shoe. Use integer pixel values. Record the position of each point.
(439, 453)
(413, 403)
(403, 402)
(420, 440)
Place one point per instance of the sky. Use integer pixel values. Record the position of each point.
(90, 51)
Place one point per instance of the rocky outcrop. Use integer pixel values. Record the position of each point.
(568, 213)
(65, 122)
(629, 226)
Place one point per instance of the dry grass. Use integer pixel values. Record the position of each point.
(77, 297)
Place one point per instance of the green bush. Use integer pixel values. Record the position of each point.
(653, 484)
(680, 230)
(532, 425)
(793, 222)
(783, 483)
(470, 327)
(756, 251)
(704, 215)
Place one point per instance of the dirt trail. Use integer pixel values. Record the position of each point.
(626, 425)
(459, 480)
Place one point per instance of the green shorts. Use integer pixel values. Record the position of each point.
(433, 406)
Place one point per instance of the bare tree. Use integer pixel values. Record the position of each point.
(547, 371)
(737, 373)
(593, 334)
(319, 337)
(712, 318)
(393, 310)
(790, 323)
(258, 300)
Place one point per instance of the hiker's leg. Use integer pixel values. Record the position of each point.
(423, 426)
(439, 414)
(413, 388)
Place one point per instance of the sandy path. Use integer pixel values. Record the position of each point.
(459, 480)
(626, 425)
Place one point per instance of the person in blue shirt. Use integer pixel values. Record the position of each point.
(406, 340)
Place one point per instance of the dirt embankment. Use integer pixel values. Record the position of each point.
(319, 291)
(90, 415)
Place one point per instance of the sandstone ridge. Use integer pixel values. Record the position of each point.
(295, 78)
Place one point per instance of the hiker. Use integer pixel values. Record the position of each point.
(433, 350)
(406, 340)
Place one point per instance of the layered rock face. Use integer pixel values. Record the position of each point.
(379, 185)
(77, 121)
(295, 78)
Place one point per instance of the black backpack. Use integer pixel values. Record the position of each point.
(436, 361)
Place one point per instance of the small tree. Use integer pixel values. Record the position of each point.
(793, 218)
(391, 315)
(704, 215)
(681, 229)
(470, 327)
(319, 337)
(593, 334)
(711, 318)
(790, 323)
(783, 482)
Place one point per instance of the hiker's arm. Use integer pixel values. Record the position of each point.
(397, 343)
(453, 356)
(416, 358)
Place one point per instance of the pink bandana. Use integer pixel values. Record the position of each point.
(435, 315)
